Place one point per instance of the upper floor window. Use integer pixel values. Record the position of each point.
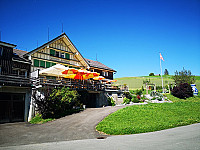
(104, 73)
(62, 55)
(23, 73)
(1, 51)
(15, 72)
(52, 52)
(57, 54)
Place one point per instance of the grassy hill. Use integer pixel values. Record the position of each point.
(137, 82)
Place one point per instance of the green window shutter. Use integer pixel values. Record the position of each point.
(53, 64)
(66, 55)
(42, 63)
(48, 64)
(52, 52)
(36, 63)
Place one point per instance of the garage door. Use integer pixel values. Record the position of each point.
(11, 107)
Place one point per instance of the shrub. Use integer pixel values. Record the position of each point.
(143, 97)
(153, 98)
(127, 95)
(158, 87)
(56, 103)
(39, 120)
(138, 92)
(131, 91)
(126, 101)
(142, 88)
(183, 91)
(153, 93)
(151, 74)
(159, 98)
(138, 97)
(111, 102)
(135, 99)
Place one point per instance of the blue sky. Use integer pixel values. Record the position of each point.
(125, 35)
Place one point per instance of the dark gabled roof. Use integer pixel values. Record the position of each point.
(7, 44)
(97, 64)
(18, 55)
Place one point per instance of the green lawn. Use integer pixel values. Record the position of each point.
(137, 82)
(152, 117)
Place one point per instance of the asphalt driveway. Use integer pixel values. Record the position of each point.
(73, 127)
(180, 138)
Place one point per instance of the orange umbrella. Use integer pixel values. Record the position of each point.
(111, 81)
(70, 71)
(91, 75)
(80, 74)
(99, 78)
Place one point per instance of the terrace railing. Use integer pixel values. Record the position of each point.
(12, 80)
(72, 84)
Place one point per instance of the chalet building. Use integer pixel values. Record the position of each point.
(15, 85)
(61, 50)
(22, 64)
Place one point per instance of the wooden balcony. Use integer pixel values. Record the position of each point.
(72, 84)
(13, 80)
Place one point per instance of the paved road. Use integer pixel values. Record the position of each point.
(180, 138)
(73, 127)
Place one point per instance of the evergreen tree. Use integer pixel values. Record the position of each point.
(166, 72)
(183, 76)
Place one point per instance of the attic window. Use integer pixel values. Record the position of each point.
(88, 61)
(14, 53)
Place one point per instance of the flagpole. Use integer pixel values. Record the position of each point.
(161, 73)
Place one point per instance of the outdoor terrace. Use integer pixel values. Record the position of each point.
(71, 83)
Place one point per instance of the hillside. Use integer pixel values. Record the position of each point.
(137, 82)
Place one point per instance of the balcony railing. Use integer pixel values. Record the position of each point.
(13, 80)
(72, 84)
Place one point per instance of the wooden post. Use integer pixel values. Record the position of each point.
(155, 87)
(146, 88)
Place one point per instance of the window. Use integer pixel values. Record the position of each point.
(67, 55)
(103, 73)
(36, 63)
(1, 51)
(106, 73)
(52, 52)
(62, 55)
(57, 54)
(42, 56)
(53, 64)
(23, 73)
(48, 64)
(42, 63)
(15, 72)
